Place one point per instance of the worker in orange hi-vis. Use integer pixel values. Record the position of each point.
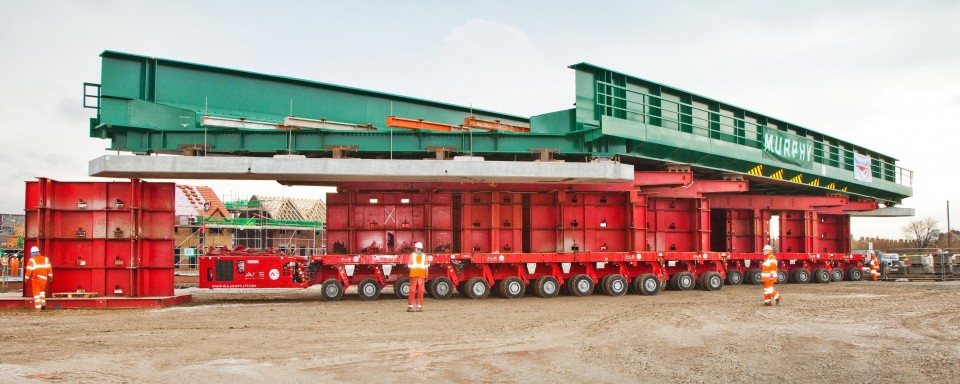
(14, 265)
(39, 274)
(874, 267)
(769, 276)
(418, 275)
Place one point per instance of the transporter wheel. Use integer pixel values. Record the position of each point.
(800, 276)
(734, 277)
(783, 277)
(512, 287)
(854, 274)
(672, 282)
(546, 287)
(602, 286)
(615, 285)
(753, 276)
(682, 281)
(837, 274)
(441, 288)
(646, 284)
(331, 290)
(402, 288)
(580, 285)
(477, 288)
(368, 289)
(711, 281)
(821, 275)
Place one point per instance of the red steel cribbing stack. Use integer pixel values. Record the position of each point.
(114, 239)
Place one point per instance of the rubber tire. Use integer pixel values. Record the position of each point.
(615, 285)
(512, 287)
(441, 288)
(580, 285)
(647, 284)
(711, 281)
(734, 277)
(783, 277)
(800, 276)
(331, 290)
(854, 274)
(672, 282)
(753, 276)
(683, 281)
(401, 288)
(368, 289)
(821, 276)
(602, 286)
(477, 288)
(546, 287)
(836, 275)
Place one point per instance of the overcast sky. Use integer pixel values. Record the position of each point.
(881, 74)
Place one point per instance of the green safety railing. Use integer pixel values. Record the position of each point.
(619, 102)
(259, 222)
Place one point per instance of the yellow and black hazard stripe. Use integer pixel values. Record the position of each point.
(798, 178)
(777, 175)
(815, 182)
(832, 185)
(756, 171)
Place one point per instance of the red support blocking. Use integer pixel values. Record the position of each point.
(109, 239)
(761, 228)
(636, 229)
(697, 189)
(850, 206)
(740, 235)
(641, 179)
(774, 203)
(661, 178)
(678, 225)
(832, 233)
(794, 232)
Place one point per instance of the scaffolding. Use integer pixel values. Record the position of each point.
(290, 226)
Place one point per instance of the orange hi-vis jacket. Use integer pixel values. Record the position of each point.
(39, 268)
(769, 269)
(874, 263)
(418, 264)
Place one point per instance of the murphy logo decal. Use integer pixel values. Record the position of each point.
(788, 148)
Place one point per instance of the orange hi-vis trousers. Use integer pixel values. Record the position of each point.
(769, 294)
(39, 292)
(416, 292)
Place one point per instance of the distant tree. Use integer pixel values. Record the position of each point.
(922, 233)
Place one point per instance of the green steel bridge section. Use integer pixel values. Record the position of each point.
(148, 105)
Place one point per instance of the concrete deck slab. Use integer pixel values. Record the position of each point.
(294, 169)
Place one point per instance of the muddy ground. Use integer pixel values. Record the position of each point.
(845, 332)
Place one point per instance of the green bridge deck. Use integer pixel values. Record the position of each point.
(150, 105)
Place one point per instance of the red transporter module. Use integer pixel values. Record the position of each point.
(658, 232)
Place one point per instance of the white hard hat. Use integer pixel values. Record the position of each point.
(34, 250)
(767, 248)
(418, 245)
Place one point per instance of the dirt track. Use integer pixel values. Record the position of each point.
(838, 332)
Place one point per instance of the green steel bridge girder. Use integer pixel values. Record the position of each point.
(403, 143)
(150, 105)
